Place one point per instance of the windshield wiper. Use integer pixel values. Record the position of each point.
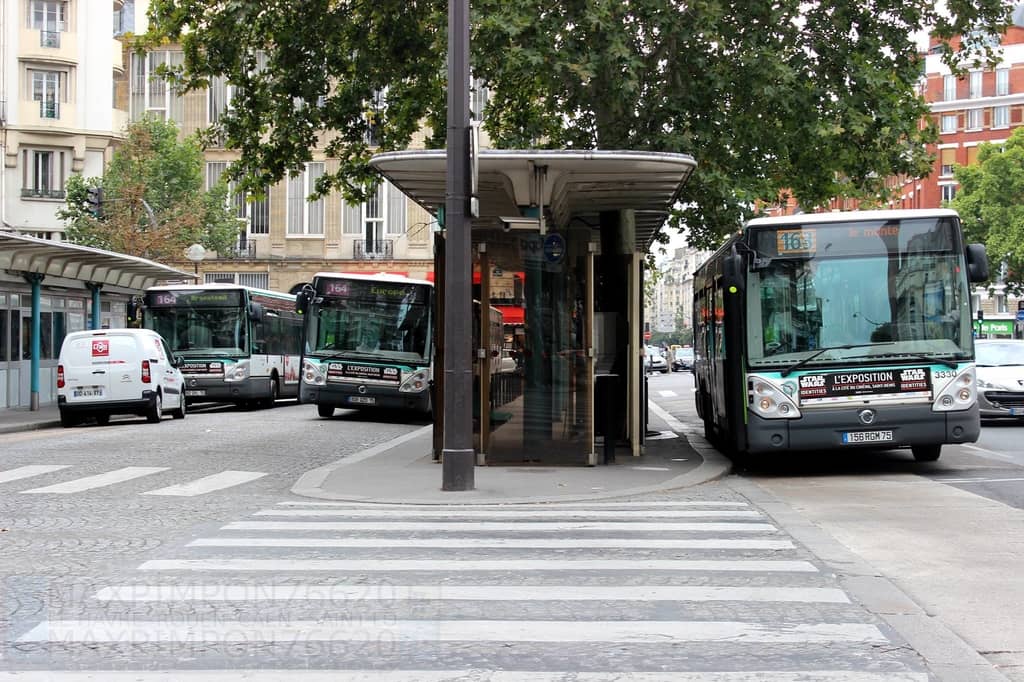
(919, 356)
(346, 354)
(800, 363)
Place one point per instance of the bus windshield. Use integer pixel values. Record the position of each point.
(827, 293)
(201, 331)
(359, 319)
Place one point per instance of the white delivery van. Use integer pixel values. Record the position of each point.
(117, 371)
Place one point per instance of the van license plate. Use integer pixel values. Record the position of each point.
(866, 436)
(362, 400)
(89, 392)
(194, 394)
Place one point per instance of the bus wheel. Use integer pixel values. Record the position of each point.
(275, 392)
(926, 453)
(325, 410)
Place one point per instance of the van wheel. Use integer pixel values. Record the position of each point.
(156, 411)
(103, 419)
(325, 410)
(275, 393)
(180, 412)
(926, 453)
(67, 419)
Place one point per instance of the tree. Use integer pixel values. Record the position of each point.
(814, 97)
(990, 202)
(154, 205)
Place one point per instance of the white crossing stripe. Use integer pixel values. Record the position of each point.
(474, 675)
(977, 480)
(387, 592)
(499, 543)
(666, 504)
(29, 471)
(639, 632)
(97, 481)
(201, 486)
(520, 513)
(436, 565)
(727, 527)
(667, 394)
(673, 423)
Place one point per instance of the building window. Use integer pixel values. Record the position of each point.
(255, 212)
(972, 155)
(948, 157)
(949, 88)
(48, 15)
(974, 119)
(305, 217)
(218, 99)
(949, 123)
(974, 92)
(46, 89)
(1002, 81)
(43, 174)
(948, 192)
(1001, 304)
(1001, 116)
(150, 94)
(260, 280)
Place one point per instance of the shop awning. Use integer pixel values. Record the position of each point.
(20, 253)
(576, 184)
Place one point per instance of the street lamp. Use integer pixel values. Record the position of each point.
(196, 253)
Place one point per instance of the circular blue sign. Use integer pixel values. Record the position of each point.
(554, 248)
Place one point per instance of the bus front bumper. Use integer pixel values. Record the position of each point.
(834, 428)
(351, 396)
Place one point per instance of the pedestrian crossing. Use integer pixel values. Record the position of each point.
(698, 590)
(110, 479)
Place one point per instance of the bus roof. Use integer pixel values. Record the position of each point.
(221, 286)
(847, 216)
(379, 277)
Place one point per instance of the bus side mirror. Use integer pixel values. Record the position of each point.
(732, 269)
(977, 263)
(302, 300)
(132, 309)
(255, 311)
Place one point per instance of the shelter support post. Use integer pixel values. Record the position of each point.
(35, 279)
(94, 319)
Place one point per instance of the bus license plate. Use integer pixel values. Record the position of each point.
(195, 393)
(362, 400)
(866, 436)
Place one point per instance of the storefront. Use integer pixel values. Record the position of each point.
(574, 227)
(48, 289)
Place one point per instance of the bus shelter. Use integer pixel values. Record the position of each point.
(48, 289)
(561, 237)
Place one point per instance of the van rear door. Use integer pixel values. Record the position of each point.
(86, 362)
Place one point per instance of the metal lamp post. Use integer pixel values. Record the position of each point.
(196, 253)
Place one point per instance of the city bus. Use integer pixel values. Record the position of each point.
(368, 342)
(838, 331)
(240, 344)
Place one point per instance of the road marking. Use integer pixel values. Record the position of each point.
(207, 484)
(474, 675)
(518, 513)
(503, 565)
(541, 526)
(97, 481)
(29, 471)
(667, 394)
(497, 543)
(990, 453)
(977, 480)
(673, 423)
(663, 435)
(531, 505)
(366, 630)
(386, 592)
(654, 468)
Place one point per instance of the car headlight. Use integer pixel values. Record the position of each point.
(959, 394)
(237, 371)
(415, 382)
(313, 373)
(769, 401)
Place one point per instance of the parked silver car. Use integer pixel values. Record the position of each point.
(1000, 364)
(654, 361)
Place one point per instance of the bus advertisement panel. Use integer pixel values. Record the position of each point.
(239, 344)
(825, 331)
(368, 342)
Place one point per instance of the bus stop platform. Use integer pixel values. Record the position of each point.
(403, 471)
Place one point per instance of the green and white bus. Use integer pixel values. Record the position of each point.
(368, 342)
(839, 331)
(240, 344)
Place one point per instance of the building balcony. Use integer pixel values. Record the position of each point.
(49, 39)
(32, 193)
(377, 249)
(241, 250)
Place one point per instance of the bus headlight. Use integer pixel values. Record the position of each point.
(769, 401)
(237, 372)
(415, 382)
(312, 373)
(959, 394)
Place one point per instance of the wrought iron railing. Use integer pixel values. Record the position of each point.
(49, 109)
(240, 250)
(49, 38)
(377, 249)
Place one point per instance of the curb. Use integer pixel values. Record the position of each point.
(29, 426)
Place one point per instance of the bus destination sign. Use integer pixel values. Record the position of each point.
(339, 371)
(196, 299)
(912, 382)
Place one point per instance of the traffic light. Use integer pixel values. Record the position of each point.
(94, 199)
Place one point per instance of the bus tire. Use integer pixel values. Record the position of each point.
(926, 453)
(325, 411)
(275, 393)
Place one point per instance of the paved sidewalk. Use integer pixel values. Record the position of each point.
(23, 419)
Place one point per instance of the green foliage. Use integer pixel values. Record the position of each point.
(814, 97)
(154, 204)
(991, 205)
